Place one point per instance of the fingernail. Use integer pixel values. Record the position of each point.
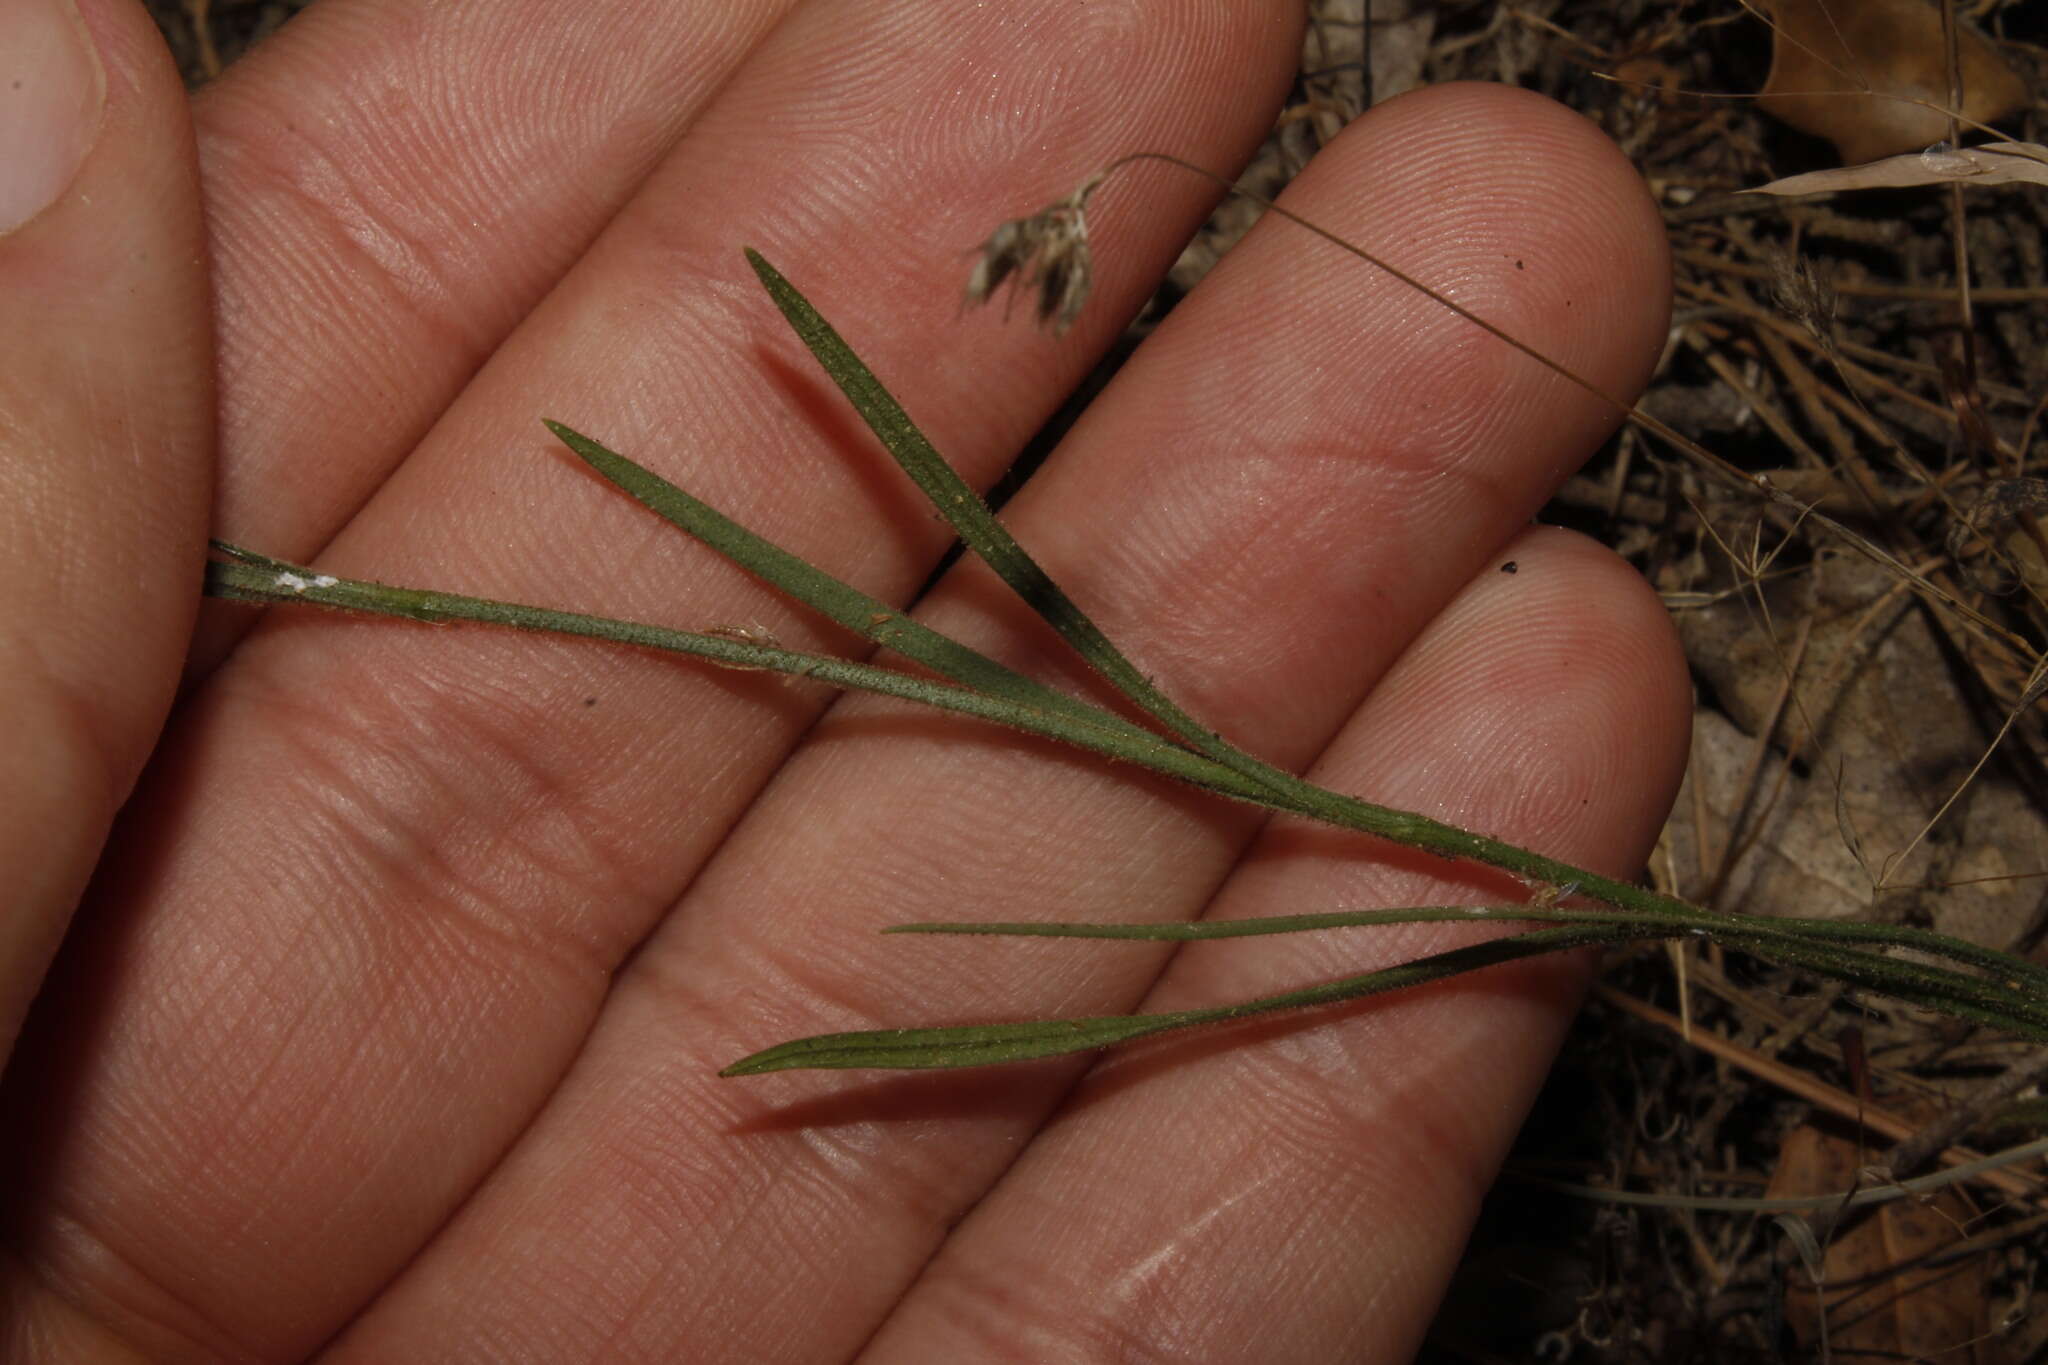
(51, 91)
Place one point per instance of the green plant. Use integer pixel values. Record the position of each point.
(1049, 252)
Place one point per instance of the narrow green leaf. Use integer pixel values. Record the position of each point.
(1201, 931)
(830, 597)
(2001, 998)
(987, 537)
(990, 1044)
(1673, 921)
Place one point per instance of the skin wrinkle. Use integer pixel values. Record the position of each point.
(860, 987)
(353, 791)
(251, 1079)
(70, 724)
(579, 850)
(307, 1132)
(1050, 1315)
(260, 338)
(783, 479)
(735, 1189)
(436, 240)
(810, 483)
(317, 199)
(865, 986)
(1591, 668)
(238, 120)
(169, 1325)
(1433, 450)
(1354, 580)
(310, 1142)
(219, 1001)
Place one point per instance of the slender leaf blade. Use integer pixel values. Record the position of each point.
(983, 534)
(831, 597)
(992, 1044)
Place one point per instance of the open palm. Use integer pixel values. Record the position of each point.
(388, 1026)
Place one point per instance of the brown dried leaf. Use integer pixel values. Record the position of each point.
(1999, 518)
(1882, 1301)
(1995, 163)
(1846, 69)
(1898, 735)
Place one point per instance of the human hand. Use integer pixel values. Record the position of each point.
(388, 1028)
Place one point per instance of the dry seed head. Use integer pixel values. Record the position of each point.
(1047, 252)
(1808, 297)
(1998, 505)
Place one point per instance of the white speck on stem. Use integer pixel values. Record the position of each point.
(296, 583)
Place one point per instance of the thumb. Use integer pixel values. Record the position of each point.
(106, 428)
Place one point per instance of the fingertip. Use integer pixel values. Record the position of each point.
(1562, 665)
(1581, 208)
(1553, 232)
(1507, 204)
